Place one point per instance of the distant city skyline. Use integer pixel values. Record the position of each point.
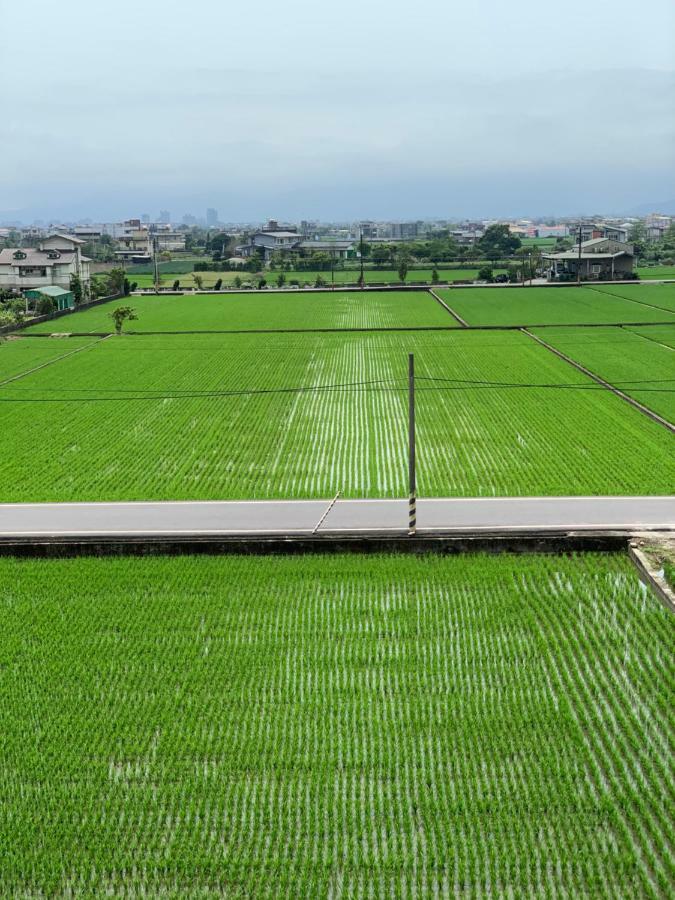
(190, 219)
(460, 110)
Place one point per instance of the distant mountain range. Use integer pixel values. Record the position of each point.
(666, 207)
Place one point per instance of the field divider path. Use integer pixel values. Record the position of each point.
(51, 361)
(652, 577)
(631, 300)
(445, 306)
(598, 380)
(650, 339)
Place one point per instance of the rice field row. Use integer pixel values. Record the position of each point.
(389, 309)
(341, 276)
(656, 272)
(557, 305)
(636, 361)
(658, 295)
(335, 726)
(18, 355)
(302, 415)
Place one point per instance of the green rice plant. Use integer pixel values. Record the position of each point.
(19, 356)
(661, 296)
(655, 272)
(305, 415)
(273, 310)
(307, 726)
(553, 306)
(340, 276)
(641, 362)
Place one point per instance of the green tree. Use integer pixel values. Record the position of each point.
(434, 277)
(380, 255)
(403, 269)
(254, 263)
(198, 280)
(116, 281)
(485, 274)
(120, 315)
(281, 279)
(498, 242)
(44, 306)
(638, 238)
(76, 289)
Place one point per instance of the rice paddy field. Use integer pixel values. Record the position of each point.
(19, 356)
(656, 272)
(356, 726)
(636, 361)
(660, 296)
(341, 276)
(274, 310)
(562, 305)
(219, 416)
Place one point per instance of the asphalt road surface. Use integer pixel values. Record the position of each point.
(301, 517)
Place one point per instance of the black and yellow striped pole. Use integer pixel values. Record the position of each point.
(412, 487)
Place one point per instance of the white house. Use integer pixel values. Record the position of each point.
(269, 242)
(53, 262)
(169, 240)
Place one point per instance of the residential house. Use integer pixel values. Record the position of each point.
(53, 262)
(656, 226)
(268, 242)
(134, 246)
(600, 259)
(466, 237)
(338, 249)
(169, 241)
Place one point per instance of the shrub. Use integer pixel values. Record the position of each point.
(44, 306)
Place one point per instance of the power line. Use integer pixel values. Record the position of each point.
(374, 386)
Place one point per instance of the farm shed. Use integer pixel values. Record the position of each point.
(62, 298)
(601, 259)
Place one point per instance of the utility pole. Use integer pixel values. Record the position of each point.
(579, 259)
(154, 259)
(361, 255)
(412, 486)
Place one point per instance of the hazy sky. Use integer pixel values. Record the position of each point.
(378, 108)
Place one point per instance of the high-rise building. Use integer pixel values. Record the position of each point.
(211, 217)
(165, 217)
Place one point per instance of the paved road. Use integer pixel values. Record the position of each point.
(297, 517)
